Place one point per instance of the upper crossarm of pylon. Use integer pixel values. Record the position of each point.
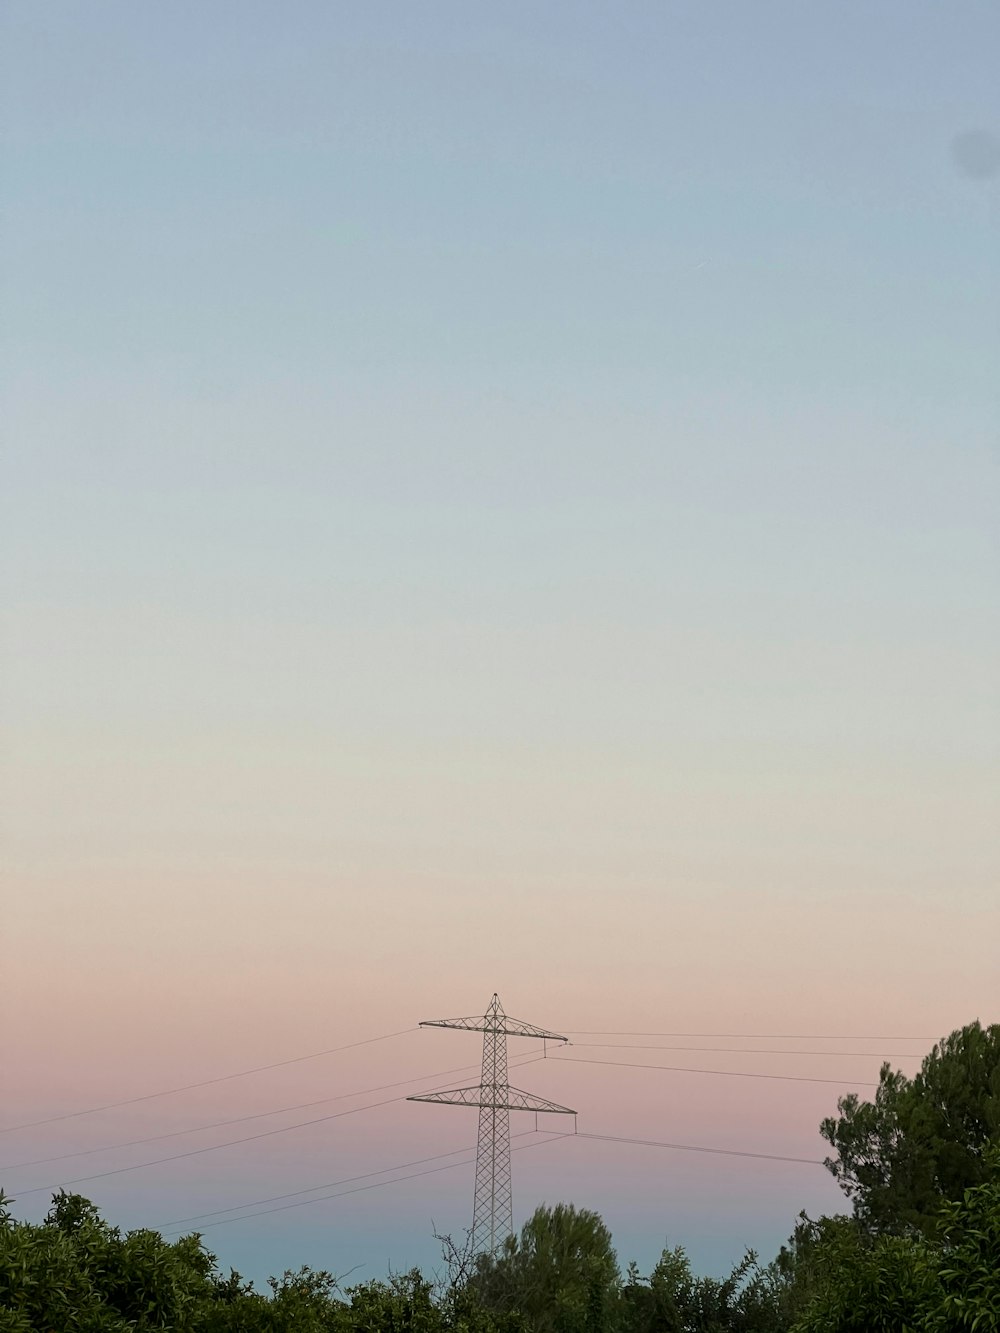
(517, 1027)
(511, 1027)
(469, 1024)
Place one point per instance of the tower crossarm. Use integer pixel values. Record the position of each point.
(503, 1098)
(497, 1022)
(511, 1027)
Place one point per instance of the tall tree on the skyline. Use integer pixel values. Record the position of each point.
(922, 1141)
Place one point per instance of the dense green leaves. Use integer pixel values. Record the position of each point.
(674, 1300)
(927, 1284)
(969, 1256)
(561, 1273)
(76, 1274)
(922, 1141)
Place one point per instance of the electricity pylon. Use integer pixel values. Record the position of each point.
(492, 1214)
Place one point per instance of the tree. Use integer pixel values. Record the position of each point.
(674, 1300)
(798, 1272)
(969, 1269)
(77, 1274)
(561, 1274)
(922, 1141)
(306, 1301)
(940, 1283)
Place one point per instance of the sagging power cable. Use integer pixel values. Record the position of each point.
(204, 1083)
(230, 1143)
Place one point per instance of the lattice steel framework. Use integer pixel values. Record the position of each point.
(492, 1214)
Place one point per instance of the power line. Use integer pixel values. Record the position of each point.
(204, 1083)
(726, 1073)
(379, 1184)
(237, 1120)
(302, 1203)
(213, 1147)
(327, 1185)
(333, 1050)
(690, 1147)
(332, 1184)
(552, 1137)
(196, 1152)
(747, 1050)
(749, 1036)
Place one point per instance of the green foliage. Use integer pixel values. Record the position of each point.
(969, 1256)
(797, 1271)
(941, 1283)
(561, 1273)
(674, 1300)
(404, 1304)
(76, 1274)
(305, 1300)
(861, 1286)
(922, 1141)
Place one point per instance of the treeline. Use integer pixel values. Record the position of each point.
(919, 1251)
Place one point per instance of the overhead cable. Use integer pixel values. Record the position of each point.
(378, 1184)
(551, 1138)
(204, 1083)
(238, 1120)
(332, 1184)
(327, 1185)
(690, 1147)
(749, 1036)
(214, 1147)
(746, 1050)
(725, 1073)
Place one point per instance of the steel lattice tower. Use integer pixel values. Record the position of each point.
(492, 1215)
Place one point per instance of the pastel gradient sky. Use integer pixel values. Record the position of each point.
(494, 497)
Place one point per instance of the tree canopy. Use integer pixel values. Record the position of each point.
(922, 1141)
(560, 1273)
(941, 1283)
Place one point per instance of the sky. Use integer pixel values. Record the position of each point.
(494, 498)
